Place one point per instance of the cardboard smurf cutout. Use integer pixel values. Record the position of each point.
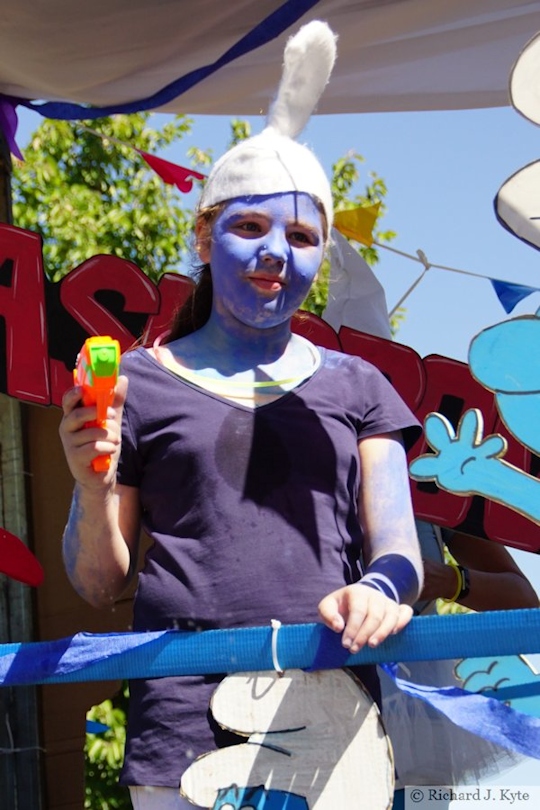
(503, 358)
(314, 741)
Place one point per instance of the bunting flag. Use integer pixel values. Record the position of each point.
(353, 223)
(508, 293)
(358, 223)
(17, 561)
(171, 173)
(511, 294)
(8, 124)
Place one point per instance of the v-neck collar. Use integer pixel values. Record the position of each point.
(227, 400)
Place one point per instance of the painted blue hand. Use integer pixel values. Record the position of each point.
(462, 461)
(509, 678)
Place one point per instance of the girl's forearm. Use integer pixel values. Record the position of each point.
(499, 591)
(96, 556)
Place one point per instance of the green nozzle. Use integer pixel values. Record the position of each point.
(103, 360)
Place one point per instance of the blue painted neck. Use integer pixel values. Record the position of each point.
(235, 347)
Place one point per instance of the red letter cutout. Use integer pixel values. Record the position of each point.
(400, 364)
(174, 289)
(451, 390)
(22, 307)
(78, 289)
(315, 329)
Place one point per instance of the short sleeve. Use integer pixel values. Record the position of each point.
(383, 409)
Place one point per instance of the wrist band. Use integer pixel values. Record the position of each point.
(466, 586)
(394, 576)
(463, 582)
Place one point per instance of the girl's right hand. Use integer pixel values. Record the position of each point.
(362, 615)
(82, 444)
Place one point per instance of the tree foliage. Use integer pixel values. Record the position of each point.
(104, 754)
(345, 176)
(87, 195)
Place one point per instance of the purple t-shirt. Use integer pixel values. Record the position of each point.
(253, 514)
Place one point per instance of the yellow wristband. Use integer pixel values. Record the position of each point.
(459, 576)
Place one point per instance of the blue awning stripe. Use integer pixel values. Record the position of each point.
(268, 29)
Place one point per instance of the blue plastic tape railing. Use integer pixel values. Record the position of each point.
(87, 657)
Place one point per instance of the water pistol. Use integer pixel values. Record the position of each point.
(96, 371)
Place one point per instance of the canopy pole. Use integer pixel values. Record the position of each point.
(20, 754)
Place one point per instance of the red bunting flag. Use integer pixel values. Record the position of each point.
(171, 173)
(17, 561)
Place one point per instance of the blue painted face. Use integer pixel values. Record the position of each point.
(264, 252)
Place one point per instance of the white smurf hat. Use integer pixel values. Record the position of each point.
(272, 162)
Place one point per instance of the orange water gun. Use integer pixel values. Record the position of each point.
(96, 371)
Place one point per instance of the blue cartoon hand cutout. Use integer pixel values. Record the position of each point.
(462, 460)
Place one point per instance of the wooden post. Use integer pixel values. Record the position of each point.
(20, 753)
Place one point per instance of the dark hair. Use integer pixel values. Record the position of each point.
(196, 309)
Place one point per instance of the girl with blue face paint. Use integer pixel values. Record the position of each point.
(264, 253)
(270, 473)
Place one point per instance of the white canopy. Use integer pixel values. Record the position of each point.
(393, 54)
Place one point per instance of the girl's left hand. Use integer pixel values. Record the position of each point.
(363, 615)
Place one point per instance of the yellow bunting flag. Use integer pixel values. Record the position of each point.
(358, 223)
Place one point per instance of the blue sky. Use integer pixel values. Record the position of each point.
(443, 170)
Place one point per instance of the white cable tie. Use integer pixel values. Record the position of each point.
(276, 625)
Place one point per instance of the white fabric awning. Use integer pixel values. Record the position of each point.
(393, 54)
